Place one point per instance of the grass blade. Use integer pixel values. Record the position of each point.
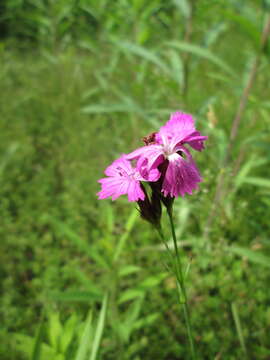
(257, 181)
(183, 6)
(129, 226)
(203, 53)
(177, 67)
(86, 339)
(99, 329)
(144, 53)
(75, 296)
(36, 354)
(252, 256)
(238, 327)
(109, 108)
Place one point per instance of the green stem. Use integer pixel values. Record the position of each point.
(181, 287)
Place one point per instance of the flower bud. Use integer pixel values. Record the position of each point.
(150, 210)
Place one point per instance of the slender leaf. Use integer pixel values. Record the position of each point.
(144, 53)
(99, 329)
(183, 6)
(238, 327)
(213, 33)
(25, 344)
(37, 348)
(177, 69)
(153, 281)
(129, 269)
(203, 53)
(131, 316)
(69, 329)
(251, 255)
(257, 181)
(106, 108)
(76, 296)
(85, 343)
(130, 294)
(55, 329)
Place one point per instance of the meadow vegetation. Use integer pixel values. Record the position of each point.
(82, 82)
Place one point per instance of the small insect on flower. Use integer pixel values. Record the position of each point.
(164, 162)
(180, 175)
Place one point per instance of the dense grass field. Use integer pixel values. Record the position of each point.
(81, 276)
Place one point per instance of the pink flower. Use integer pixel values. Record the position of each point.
(124, 179)
(180, 174)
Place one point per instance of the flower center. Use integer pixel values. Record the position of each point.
(173, 157)
(170, 153)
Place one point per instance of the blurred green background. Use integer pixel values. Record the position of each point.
(82, 81)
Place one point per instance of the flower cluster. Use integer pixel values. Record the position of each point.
(164, 162)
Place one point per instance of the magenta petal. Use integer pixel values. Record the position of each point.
(181, 177)
(176, 129)
(153, 175)
(150, 151)
(195, 140)
(180, 119)
(135, 192)
(137, 153)
(180, 129)
(148, 159)
(122, 179)
(122, 163)
(110, 187)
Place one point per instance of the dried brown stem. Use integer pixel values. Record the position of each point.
(235, 126)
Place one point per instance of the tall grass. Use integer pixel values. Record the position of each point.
(89, 86)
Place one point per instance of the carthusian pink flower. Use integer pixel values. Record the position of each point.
(168, 154)
(168, 167)
(123, 179)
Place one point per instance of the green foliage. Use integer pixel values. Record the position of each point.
(83, 279)
(57, 343)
